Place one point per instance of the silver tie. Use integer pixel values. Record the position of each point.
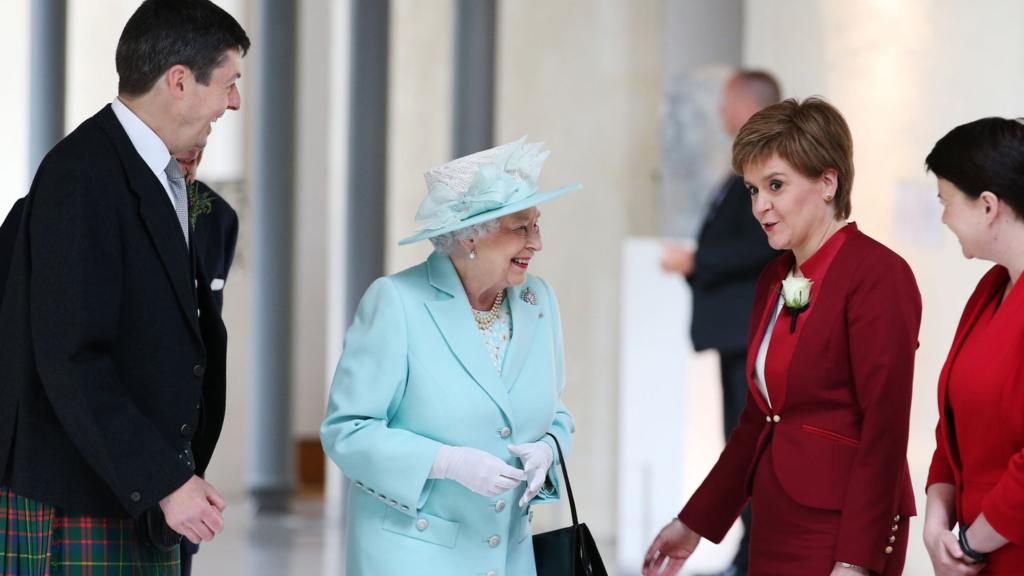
(177, 181)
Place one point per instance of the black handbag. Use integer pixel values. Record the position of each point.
(568, 551)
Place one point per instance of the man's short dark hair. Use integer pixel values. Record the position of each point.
(761, 85)
(164, 33)
(984, 155)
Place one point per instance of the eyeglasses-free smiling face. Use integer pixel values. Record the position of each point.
(503, 256)
(794, 210)
(964, 216)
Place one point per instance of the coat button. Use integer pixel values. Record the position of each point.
(494, 541)
(767, 418)
(405, 508)
(895, 527)
(370, 491)
(896, 518)
(499, 505)
(892, 539)
(186, 430)
(382, 497)
(888, 549)
(505, 432)
(198, 371)
(360, 484)
(135, 497)
(422, 524)
(393, 504)
(776, 418)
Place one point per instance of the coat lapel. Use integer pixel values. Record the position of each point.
(526, 318)
(454, 319)
(764, 307)
(157, 215)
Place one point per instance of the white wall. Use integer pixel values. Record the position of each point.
(14, 29)
(904, 73)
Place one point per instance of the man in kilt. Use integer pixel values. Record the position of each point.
(112, 350)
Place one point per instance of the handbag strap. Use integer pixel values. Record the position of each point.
(565, 475)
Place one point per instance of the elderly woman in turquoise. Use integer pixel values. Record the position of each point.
(447, 395)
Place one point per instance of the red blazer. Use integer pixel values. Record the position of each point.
(988, 466)
(841, 422)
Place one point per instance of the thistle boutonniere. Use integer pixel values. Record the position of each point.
(796, 294)
(198, 202)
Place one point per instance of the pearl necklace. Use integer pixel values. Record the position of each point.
(484, 320)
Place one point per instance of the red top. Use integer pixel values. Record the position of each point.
(783, 343)
(980, 435)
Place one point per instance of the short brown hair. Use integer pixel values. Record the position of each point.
(811, 136)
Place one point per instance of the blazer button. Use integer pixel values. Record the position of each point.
(767, 418)
(505, 432)
(499, 505)
(895, 527)
(422, 524)
(776, 418)
(896, 518)
(135, 497)
(494, 541)
(888, 549)
(186, 430)
(892, 539)
(198, 371)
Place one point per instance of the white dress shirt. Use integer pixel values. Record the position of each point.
(146, 142)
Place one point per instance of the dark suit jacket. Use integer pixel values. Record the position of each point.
(8, 233)
(113, 360)
(215, 237)
(840, 440)
(731, 252)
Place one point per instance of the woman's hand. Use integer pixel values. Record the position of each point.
(839, 570)
(947, 557)
(536, 458)
(481, 472)
(669, 551)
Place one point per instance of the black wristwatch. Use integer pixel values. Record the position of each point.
(975, 556)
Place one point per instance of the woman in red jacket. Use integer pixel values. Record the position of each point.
(821, 448)
(977, 473)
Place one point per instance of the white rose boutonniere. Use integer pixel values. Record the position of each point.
(796, 294)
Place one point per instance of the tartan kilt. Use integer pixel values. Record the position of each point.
(37, 539)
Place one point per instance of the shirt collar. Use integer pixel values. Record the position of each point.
(146, 142)
(817, 265)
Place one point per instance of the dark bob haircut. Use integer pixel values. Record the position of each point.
(984, 155)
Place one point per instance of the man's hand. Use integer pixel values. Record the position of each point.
(194, 510)
(677, 259)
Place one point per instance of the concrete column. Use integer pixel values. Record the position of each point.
(473, 94)
(272, 470)
(367, 149)
(47, 44)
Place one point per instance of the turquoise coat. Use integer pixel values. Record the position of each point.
(415, 375)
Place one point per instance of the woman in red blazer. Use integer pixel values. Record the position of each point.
(821, 447)
(977, 473)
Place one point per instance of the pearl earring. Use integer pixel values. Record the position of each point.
(472, 254)
(828, 198)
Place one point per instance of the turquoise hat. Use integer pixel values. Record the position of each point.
(481, 187)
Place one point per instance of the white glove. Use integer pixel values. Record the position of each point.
(536, 458)
(481, 472)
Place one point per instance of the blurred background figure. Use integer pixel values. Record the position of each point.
(722, 270)
(976, 479)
